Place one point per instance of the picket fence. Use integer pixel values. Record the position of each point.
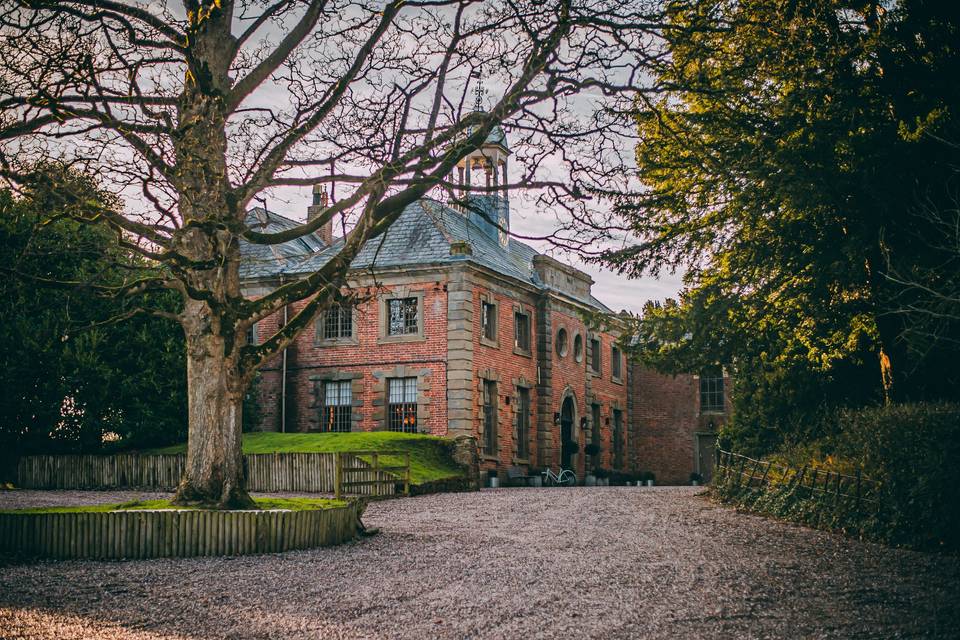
(341, 473)
(174, 533)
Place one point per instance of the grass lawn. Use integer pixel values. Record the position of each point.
(293, 504)
(429, 455)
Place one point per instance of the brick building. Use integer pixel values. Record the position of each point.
(463, 330)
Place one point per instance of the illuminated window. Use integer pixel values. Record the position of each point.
(337, 405)
(402, 404)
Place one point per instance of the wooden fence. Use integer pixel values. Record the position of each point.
(370, 477)
(174, 533)
(342, 473)
(743, 473)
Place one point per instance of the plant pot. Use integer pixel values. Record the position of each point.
(493, 482)
(649, 483)
(536, 481)
(694, 483)
(590, 481)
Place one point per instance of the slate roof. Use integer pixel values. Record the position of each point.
(422, 235)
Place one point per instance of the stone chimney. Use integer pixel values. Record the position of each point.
(320, 203)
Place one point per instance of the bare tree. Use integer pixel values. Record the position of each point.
(192, 112)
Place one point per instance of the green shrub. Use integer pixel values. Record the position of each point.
(913, 450)
(909, 449)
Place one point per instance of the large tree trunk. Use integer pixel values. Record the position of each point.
(214, 473)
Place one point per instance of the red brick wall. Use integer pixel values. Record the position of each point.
(666, 418)
(568, 373)
(508, 366)
(306, 358)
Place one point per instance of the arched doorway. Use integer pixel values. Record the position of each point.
(568, 415)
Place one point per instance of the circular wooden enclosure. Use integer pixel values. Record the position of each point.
(174, 533)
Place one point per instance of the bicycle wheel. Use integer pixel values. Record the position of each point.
(567, 478)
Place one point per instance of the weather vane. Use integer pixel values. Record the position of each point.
(478, 105)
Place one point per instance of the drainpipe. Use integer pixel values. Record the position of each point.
(283, 376)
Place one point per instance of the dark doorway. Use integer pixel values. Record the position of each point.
(706, 452)
(566, 432)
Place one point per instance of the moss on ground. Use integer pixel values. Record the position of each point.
(430, 458)
(293, 504)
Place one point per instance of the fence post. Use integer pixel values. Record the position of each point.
(337, 474)
(743, 462)
(406, 474)
(763, 480)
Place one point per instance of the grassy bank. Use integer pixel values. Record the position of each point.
(430, 459)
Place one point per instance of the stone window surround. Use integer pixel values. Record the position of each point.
(523, 310)
(484, 340)
(320, 341)
(384, 315)
(489, 375)
(356, 392)
(565, 344)
(591, 338)
(523, 383)
(616, 353)
(422, 375)
(578, 337)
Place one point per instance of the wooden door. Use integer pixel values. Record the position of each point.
(706, 455)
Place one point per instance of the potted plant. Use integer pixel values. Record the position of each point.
(696, 479)
(603, 477)
(650, 478)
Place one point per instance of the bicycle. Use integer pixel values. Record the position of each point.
(566, 478)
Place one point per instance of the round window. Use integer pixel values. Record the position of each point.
(562, 342)
(578, 348)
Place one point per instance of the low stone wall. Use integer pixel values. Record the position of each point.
(174, 533)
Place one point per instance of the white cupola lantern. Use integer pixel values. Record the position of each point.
(482, 179)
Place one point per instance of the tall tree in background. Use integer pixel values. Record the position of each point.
(69, 377)
(200, 108)
(788, 169)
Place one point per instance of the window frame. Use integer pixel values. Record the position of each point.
(578, 347)
(712, 394)
(522, 435)
(489, 321)
(619, 446)
(616, 363)
(596, 356)
(402, 416)
(490, 418)
(400, 294)
(519, 350)
(562, 347)
(337, 416)
(321, 326)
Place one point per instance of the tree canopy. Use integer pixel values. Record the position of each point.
(802, 167)
(72, 377)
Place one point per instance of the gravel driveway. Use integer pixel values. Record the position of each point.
(510, 563)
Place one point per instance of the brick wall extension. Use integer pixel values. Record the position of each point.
(665, 421)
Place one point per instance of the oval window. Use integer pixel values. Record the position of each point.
(578, 348)
(562, 342)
